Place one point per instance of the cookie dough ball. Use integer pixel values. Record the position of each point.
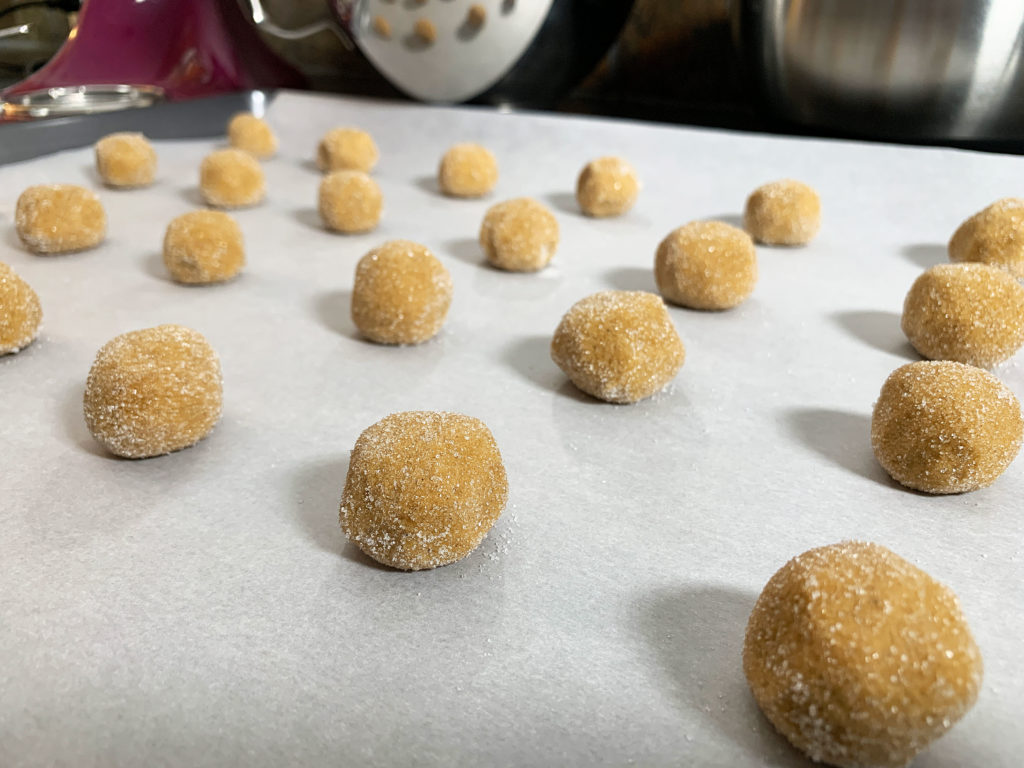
(783, 212)
(423, 489)
(349, 202)
(231, 178)
(346, 149)
(467, 170)
(971, 313)
(993, 236)
(153, 391)
(706, 265)
(858, 657)
(945, 427)
(126, 160)
(401, 294)
(20, 312)
(619, 346)
(607, 186)
(60, 218)
(204, 247)
(519, 235)
(253, 135)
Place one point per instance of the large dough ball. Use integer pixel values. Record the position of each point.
(346, 149)
(783, 212)
(20, 312)
(945, 427)
(971, 313)
(401, 293)
(153, 391)
(423, 489)
(706, 265)
(60, 218)
(607, 186)
(252, 134)
(619, 346)
(519, 235)
(994, 235)
(467, 170)
(349, 202)
(858, 657)
(203, 247)
(125, 160)
(231, 178)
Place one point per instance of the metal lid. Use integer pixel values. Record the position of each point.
(78, 100)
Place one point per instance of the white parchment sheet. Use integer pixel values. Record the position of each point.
(204, 609)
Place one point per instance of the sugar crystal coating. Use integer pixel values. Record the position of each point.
(203, 247)
(252, 134)
(972, 313)
(59, 218)
(153, 391)
(423, 489)
(125, 160)
(467, 170)
(231, 178)
(994, 235)
(20, 312)
(519, 235)
(858, 657)
(945, 427)
(706, 265)
(349, 202)
(619, 346)
(346, 149)
(401, 293)
(607, 186)
(785, 212)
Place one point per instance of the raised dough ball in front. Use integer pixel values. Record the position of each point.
(607, 186)
(785, 212)
(125, 160)
(20, 312)
(858, 657)
(619, 346)
(203, 247)
(972, 313)
(706, 265)
(346, 149)
(945, 427)
(401, 293)
(349, 202)
(252, 134)
(467, 170)
(423, 489)
(153, 391)
(994, 235)
(519, 235)
(59, 218)
(231, 178)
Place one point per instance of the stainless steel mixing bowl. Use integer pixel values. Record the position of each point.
(912, 69)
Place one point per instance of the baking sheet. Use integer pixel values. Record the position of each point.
(204, 609)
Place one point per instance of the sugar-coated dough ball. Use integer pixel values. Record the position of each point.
(203, 247)
(706, 265)
(347, 149)
(858, 657)
(783, 212)
(619, 346)
(401, 293)
(60, 218)
(423, 489)
(20, 312)
(519, 235)
(607, 186)
(994, 235)
(231, 178)
(349, 202)
(252, 134)
(153, 391)
(945, 427)
(467, 170)
(972, 313)
(126, 160)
